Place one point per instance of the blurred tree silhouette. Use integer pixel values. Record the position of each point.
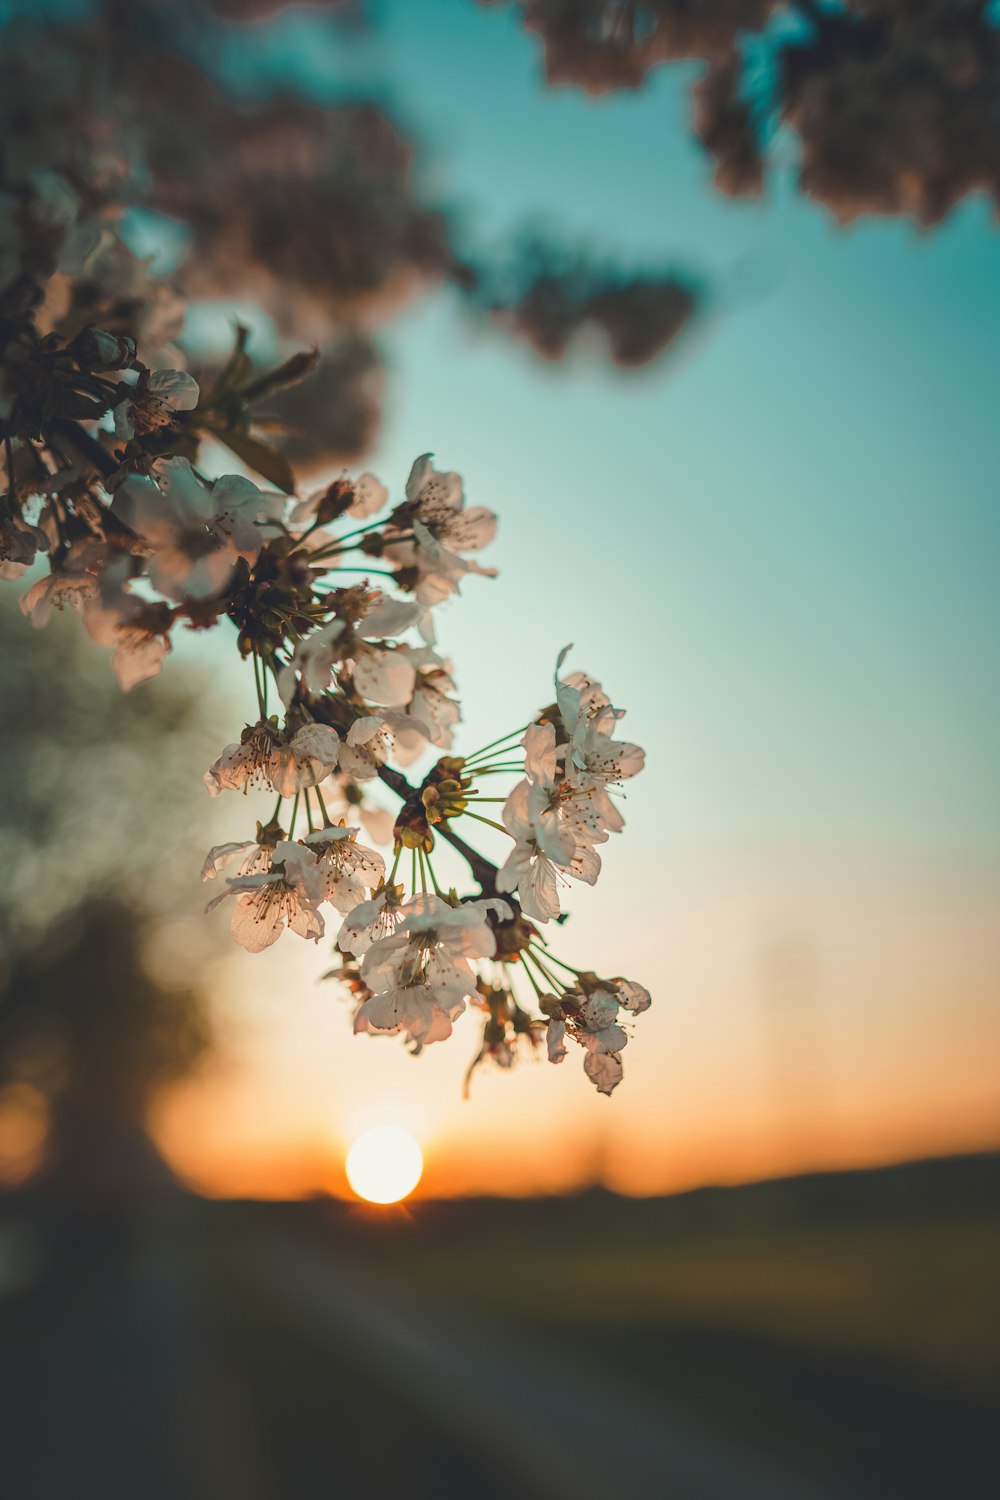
(88, 1032)
(895, 102)
(316, 212)
(97, 851)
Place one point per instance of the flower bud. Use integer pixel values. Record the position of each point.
(96, 349)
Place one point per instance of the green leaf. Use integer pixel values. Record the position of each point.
(266, 461)
(239, 368)
(294, 370)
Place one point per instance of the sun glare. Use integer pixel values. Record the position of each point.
(384, 1165)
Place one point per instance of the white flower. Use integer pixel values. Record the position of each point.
(313, 661)
(388, 617)
(589, 1013)
(244, 516)
(73, 582)
(550, 838)
(416, 1009)
(604, 1069)
(285, 895)
(255, 857)
(573, 777)
(139, 634)
(582, 701)
(383, 675)
(421, 974)
(580, 806)
(137, 629)
(540, 762)
(265, 756)
(592, 755)
(430, 705)
(432, 572)
(554, 1034)
(146, 410)
(19, 545)
(533, 866)
(372, 920)
(374, 739)
(349, 869)
(366, 747)
(437, 502)
(197, 532)
(368, 497)
(597, 1018)
(630, 995)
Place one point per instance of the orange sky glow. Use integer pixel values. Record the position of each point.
(826, 1012)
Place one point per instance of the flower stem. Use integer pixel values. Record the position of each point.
(430, 870)
(295, 813)
(549, 978)
(531, 979)
(368, 572)
(550, 958)
(489, 821)
(358, 531)
(261, 701)
(478, 754)
(326, 816)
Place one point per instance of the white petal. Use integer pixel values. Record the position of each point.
(369, 497)
(223, 854)
(604, 1069)
(177, 387)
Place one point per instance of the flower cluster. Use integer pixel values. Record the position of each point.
(112, 505)
(357, 703)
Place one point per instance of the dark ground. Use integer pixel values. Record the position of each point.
(827, 1336)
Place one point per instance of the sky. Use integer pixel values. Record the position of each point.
(778, 550)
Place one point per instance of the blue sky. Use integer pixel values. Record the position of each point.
(779, 550)
(788, 536)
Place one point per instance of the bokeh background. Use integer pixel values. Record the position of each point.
(774, 535)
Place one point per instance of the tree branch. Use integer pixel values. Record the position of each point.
(483, 870)
(87, 447)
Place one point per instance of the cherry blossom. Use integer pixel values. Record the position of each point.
(437, 503)
(372, 920)
(349, 869)
(196, 532)
(421, 974)
(73, 583)
(109, 450)
(267, 756)
(153, 403)
(286, 895)
(20, 543)
(589, 1012)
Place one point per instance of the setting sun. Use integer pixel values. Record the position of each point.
(384, 1165)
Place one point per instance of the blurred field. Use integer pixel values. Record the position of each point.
(831, 1336)
(846, 1325)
